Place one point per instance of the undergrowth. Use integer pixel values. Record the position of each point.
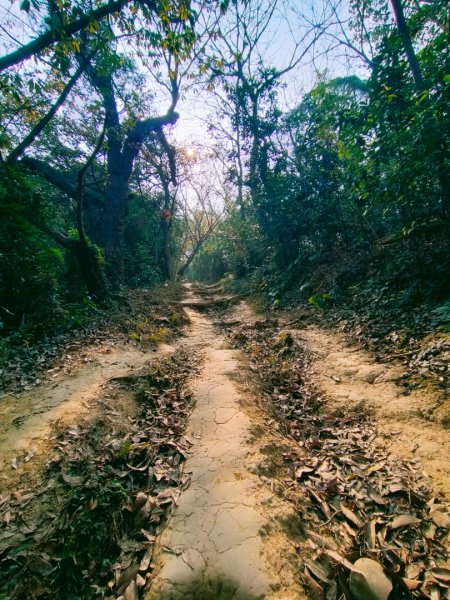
(147, 317)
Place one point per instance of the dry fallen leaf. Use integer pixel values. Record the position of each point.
(315, 590)
(301, 471)
(368, 581)
(403, 521)
(413, 571)
(352, 517)
(338, 559)
(131, 593)
(440, 515)
(319, 570)
(126, 576)
(441, 573)
(370, 534)
(412, 584)
(146, 560)
(72, 480)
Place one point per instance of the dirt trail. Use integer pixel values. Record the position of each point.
(214, 545)
(350, 378)
(26, 419)
(238, 531)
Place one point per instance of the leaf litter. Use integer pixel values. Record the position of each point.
(88, 528)
(373, 528)
(142, 318)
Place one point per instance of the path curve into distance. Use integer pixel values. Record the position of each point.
(215, 545)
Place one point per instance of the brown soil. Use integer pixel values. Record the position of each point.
(28, 419)
(411, 425)
(232, 534)
(225, 540)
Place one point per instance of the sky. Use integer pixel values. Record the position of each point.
(276, 47)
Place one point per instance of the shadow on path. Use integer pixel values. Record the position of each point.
(211, 589)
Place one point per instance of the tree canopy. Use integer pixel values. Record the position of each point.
(331, 143)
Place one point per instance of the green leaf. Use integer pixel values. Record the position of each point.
(423, 96)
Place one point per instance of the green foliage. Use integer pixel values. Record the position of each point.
(41, 288)
(237, 246)
(143, 266)
(32, 266)
(320, 300)
(354, 187)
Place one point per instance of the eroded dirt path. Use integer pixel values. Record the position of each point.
(214, 546)
(27, 418)
(112, 432)
(409, 424)
(286, 480)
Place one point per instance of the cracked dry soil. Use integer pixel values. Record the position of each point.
(215, 545)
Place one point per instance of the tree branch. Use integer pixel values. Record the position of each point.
(80, 186)
(47, 39)
(39, 127)
(59, 180)
(140, 131)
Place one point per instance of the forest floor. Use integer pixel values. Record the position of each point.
(245, 459)
(410, 423)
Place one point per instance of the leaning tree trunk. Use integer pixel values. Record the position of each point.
(182, 270)
(407, 44)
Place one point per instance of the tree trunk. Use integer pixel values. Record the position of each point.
(407, 44)
(182, 270)
(167, 254)
(91, 270)
(254, 151)
(240, 166)
(88, 260)
(110, 229)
